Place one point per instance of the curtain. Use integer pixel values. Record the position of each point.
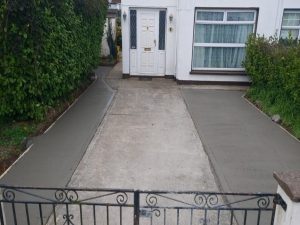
(217, 33)
(286, 33)
(291, 19)
(220, 33)
(211, 16)
(217, 57)
(231, 16)
(240, 16)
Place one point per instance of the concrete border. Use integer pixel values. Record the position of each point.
(46, 131)
(20, 160)
(225, 165)
(15, 162)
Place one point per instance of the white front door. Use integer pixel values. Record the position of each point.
(147, 42)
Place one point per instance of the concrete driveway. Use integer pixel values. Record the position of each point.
(146, 141)
(244, 146)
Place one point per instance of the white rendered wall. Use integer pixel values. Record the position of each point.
(179, 42)
(170, 5)
(268, 24)
(289, 217)
(125, 37)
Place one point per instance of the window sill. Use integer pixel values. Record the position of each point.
(218, 72)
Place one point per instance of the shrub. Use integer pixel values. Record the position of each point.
(274, 68)
(47, 49)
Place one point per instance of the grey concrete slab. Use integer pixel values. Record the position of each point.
(55, 155)
(245, 147)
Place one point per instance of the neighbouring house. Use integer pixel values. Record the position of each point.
(199, 40)
(114, 7)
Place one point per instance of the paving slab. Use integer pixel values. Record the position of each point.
(245, 147)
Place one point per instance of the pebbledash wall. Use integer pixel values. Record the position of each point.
(179, 41)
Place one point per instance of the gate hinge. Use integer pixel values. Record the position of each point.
(278, 200)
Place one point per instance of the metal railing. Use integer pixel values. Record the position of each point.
(76, 206)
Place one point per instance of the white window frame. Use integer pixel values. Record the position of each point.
(224, 21)
(290, 27)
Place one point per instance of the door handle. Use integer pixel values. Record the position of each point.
(155, 42)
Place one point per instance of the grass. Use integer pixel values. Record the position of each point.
(12, 140)
(270, 105)
(13, 134)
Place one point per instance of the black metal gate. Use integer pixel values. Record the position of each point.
(69, 206)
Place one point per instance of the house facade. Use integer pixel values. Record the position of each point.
(199, 40)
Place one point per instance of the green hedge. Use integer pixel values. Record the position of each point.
(47, 49)
(274, 67)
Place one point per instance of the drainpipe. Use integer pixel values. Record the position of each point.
(176, 41)
(278, 18)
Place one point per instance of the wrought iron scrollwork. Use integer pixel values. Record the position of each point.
(151, 200)
(209, 201)
(8, 195)
(68, 219)
(263, 202)
(212, 200)
(144, 203)
(66, 195)
(200, 200)
(122, 198)
(156, 212)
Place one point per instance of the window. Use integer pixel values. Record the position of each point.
(290, 24)
(162, 30)
(220, 37)
(133, 29)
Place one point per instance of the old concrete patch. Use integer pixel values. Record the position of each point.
(147, 141)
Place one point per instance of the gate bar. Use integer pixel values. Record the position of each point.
(136, 207)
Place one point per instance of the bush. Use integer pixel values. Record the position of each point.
(274, 67)
(47, 49)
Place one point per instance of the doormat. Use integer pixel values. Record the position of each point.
(145, 78)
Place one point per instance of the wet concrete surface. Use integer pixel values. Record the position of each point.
(244, 146)
(55, 155)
